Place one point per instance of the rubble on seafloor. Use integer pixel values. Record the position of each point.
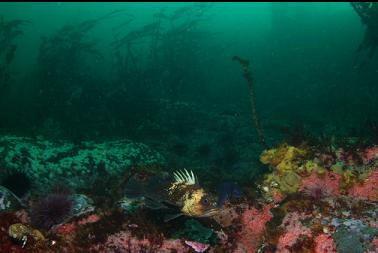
(309, 202)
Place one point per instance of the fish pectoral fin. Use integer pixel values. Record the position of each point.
(154, 204)
(169, 217)
(169, 204)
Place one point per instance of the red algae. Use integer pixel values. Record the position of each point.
(324, 243)
(370, 154)
(294, 229)
(124, 242)
(90, 219)
(253, 223)
(368, 189)
(277, 196)
(66, 229)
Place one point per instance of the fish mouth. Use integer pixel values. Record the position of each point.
(211, 212)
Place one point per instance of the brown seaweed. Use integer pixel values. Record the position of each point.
(252, 98)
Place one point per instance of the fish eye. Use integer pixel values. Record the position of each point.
(205, 201)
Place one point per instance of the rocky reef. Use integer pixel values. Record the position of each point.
(309, 201)
(47, 162)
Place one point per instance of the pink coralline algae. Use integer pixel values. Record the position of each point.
(66, 229)
(125, 242)
(253, 227)
(67, 232)
(370, 154)
(368, 189)
(170, 246)
(69, 229)
(90, 219)
(375, 242)
(324, 243)
(197, 246)
(319, 186)
(277, 196)
(374, 245)
(293, 231)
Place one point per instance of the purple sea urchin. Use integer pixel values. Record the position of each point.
(317, 191)
(51, 210)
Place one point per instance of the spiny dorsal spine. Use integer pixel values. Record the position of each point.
(185, 177)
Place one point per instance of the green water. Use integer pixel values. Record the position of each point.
(247, 127)
(175, 84)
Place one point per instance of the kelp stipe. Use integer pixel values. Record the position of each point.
(252, 98)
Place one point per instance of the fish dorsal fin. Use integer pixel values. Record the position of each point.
(185, 177)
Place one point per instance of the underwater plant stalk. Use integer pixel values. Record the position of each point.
(252, 98)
